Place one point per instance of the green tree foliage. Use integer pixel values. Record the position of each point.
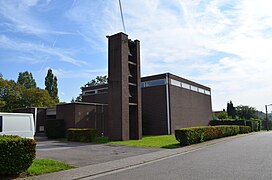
(246, 112)
(222, 115)
(99, 80)
(26, 79)
(10, 94)
(231, 110)
(214, 116)
(51, 85)
(35, 97)
(78, 98)
(13, 95)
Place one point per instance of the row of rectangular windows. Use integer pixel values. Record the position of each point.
(157, 82)
(96, 91)
(188, 86)
(174, 82)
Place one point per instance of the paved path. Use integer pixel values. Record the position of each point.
(227, 158)
(83, 154)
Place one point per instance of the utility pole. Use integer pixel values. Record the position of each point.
(266, 117)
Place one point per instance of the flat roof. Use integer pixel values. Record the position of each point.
(153, 77)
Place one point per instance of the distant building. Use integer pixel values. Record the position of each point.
(129, 106)
(168, 102)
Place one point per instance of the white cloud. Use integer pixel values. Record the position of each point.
(224, 44)
(79, 73)
(20, 18)
(183, 38)
(43, 51)
(95, 21)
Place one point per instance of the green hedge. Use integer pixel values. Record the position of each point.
(55, 128)
(187, 136)
(227, 122)
(16, 154)
(244, 129)
(81, 134)
(254, 124)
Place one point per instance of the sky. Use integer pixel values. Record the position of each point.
(223, 44)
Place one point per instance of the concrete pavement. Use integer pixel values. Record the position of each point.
(84, 154)
(95, 170)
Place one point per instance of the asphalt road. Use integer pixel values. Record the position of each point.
(83, 154)
(248, 157)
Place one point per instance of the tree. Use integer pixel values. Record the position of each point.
(231, 110)
(14, 95)
(222, 115)
(51, 85)
(78, 98)
(26, 79)
(246, 112)
(10, 95)
(35, 97)
(1, 76)
(98, 81)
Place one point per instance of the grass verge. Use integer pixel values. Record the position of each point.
(162, 141)
(43, 166)
(101, 140)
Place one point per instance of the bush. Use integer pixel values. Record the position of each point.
(81, 134)
(227, 122)
(254, 124)
(187, 136)
(16, 154)
(244, 129)
(55, 128)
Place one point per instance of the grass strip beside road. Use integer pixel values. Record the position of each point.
(43, 166)
(161, 141)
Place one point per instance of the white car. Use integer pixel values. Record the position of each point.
(21, 124)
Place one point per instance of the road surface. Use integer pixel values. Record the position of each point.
(248, 157)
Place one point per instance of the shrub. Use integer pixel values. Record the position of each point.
(254, 124)
(187, 136)
(244, 129)
(81, 134)
(227, 122)
(55, 128)
(16, 154)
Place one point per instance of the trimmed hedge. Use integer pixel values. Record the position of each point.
(254, 124)
(193, 135)
(81, 134)
(244, 129)
(16, 154)
(227, 122)
(55, 128)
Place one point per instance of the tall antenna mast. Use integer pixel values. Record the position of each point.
(122, 17)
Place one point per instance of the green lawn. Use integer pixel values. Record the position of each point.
(162, 141)
(42, 166)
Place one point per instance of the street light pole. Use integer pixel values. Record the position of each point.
(266, 117)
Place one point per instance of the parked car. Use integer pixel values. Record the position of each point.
(21, 124)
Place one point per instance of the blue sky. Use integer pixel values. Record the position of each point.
(223, 44)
